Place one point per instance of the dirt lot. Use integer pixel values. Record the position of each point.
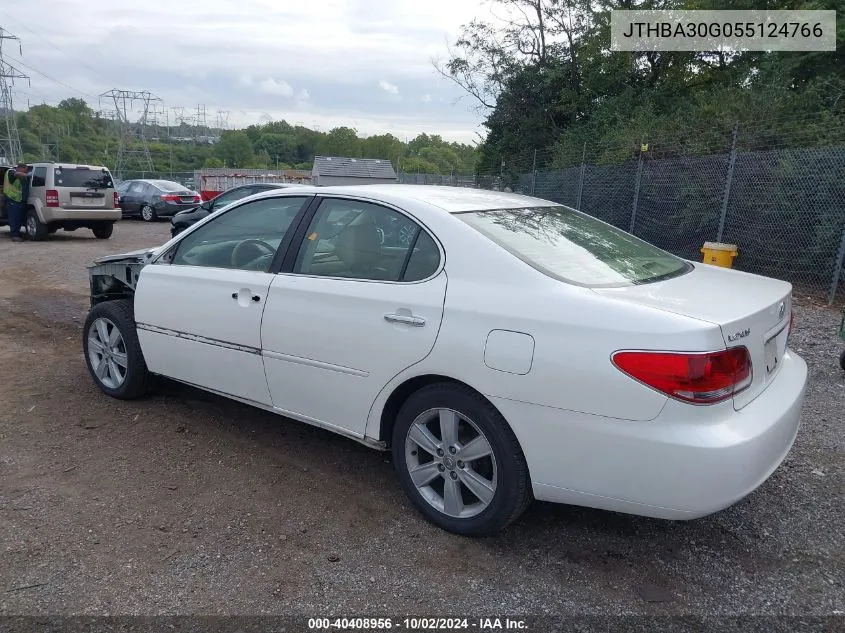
(187, 503)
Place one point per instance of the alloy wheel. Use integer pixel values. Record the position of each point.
(107, 353)
(451, 463)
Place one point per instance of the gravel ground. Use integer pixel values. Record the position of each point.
(185, 503)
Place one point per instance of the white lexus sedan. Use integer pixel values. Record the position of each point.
(504, 348)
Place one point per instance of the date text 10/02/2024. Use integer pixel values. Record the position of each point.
(417, 624)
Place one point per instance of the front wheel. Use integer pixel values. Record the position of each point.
(148, 214)
(103, 231)
(35, 228)
(112, 351)
(459, 462)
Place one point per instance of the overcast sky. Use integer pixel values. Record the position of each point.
(322, 63)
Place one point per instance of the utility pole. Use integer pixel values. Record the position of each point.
(10, 140)
(133, 151)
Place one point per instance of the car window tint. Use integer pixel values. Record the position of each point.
(136, 187)
(229, 197)
(575, 247)
(246, 237)
(424, 259)
(39, 177)
(357, 240)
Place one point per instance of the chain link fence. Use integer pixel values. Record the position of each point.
(776, 189)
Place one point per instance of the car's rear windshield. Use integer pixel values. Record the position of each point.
(167, 185)
(574, 247)
(90, 178)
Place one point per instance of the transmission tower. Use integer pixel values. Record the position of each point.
(10, 140)
(133, 151)
(201, 124)
(223, 120)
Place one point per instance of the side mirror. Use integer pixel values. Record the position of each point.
(208, 205)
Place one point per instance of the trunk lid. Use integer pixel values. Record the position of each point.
(751, 311)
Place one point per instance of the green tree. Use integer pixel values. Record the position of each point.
(235, 149)
(340, 141)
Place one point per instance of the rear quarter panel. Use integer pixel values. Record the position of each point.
(575, 332)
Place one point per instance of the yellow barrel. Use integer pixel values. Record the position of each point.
(719, 254)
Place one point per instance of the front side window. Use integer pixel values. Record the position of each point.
(244, 238)
(575, 247)
(360, 240)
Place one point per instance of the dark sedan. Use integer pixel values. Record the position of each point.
(186, 218)
(153, 199)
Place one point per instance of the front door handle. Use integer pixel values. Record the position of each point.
(405, 319)
(255, 298)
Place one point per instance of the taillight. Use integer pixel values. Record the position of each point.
(52, 197)
(116, 200)
(197, 199)
(701, 378)
(169, 197)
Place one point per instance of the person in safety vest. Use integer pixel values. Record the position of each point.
(14, 191)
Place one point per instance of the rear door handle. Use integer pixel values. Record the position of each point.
(405, 319)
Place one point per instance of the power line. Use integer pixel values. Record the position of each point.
(53, 79)
(63, 52)
(10, 141)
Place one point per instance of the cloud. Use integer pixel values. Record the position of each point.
(259, 56)
(389, 88)
(271, 86)
(426, 98)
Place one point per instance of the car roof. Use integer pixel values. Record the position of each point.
(273, 185)
(68, 165)
(449, 199)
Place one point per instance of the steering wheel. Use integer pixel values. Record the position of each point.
(240, 249)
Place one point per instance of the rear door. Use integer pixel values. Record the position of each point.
(349, 312)
(38, 183)
(133, 197)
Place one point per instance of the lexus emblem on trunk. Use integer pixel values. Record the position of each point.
(781, 310)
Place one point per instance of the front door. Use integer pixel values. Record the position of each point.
(362, 301)
(199, 311)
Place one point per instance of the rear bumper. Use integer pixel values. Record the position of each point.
(168, 211)
(79, 215)
(687, 463)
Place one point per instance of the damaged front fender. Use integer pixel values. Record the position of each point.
(116, 276)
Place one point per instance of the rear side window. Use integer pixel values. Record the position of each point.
(39, 177)
(575, 247)
(351, 239)
(82, 177)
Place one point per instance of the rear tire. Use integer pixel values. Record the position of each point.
(112, 352)
(104, 231)
(35, 228)
(148, 214)
(477, 496)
